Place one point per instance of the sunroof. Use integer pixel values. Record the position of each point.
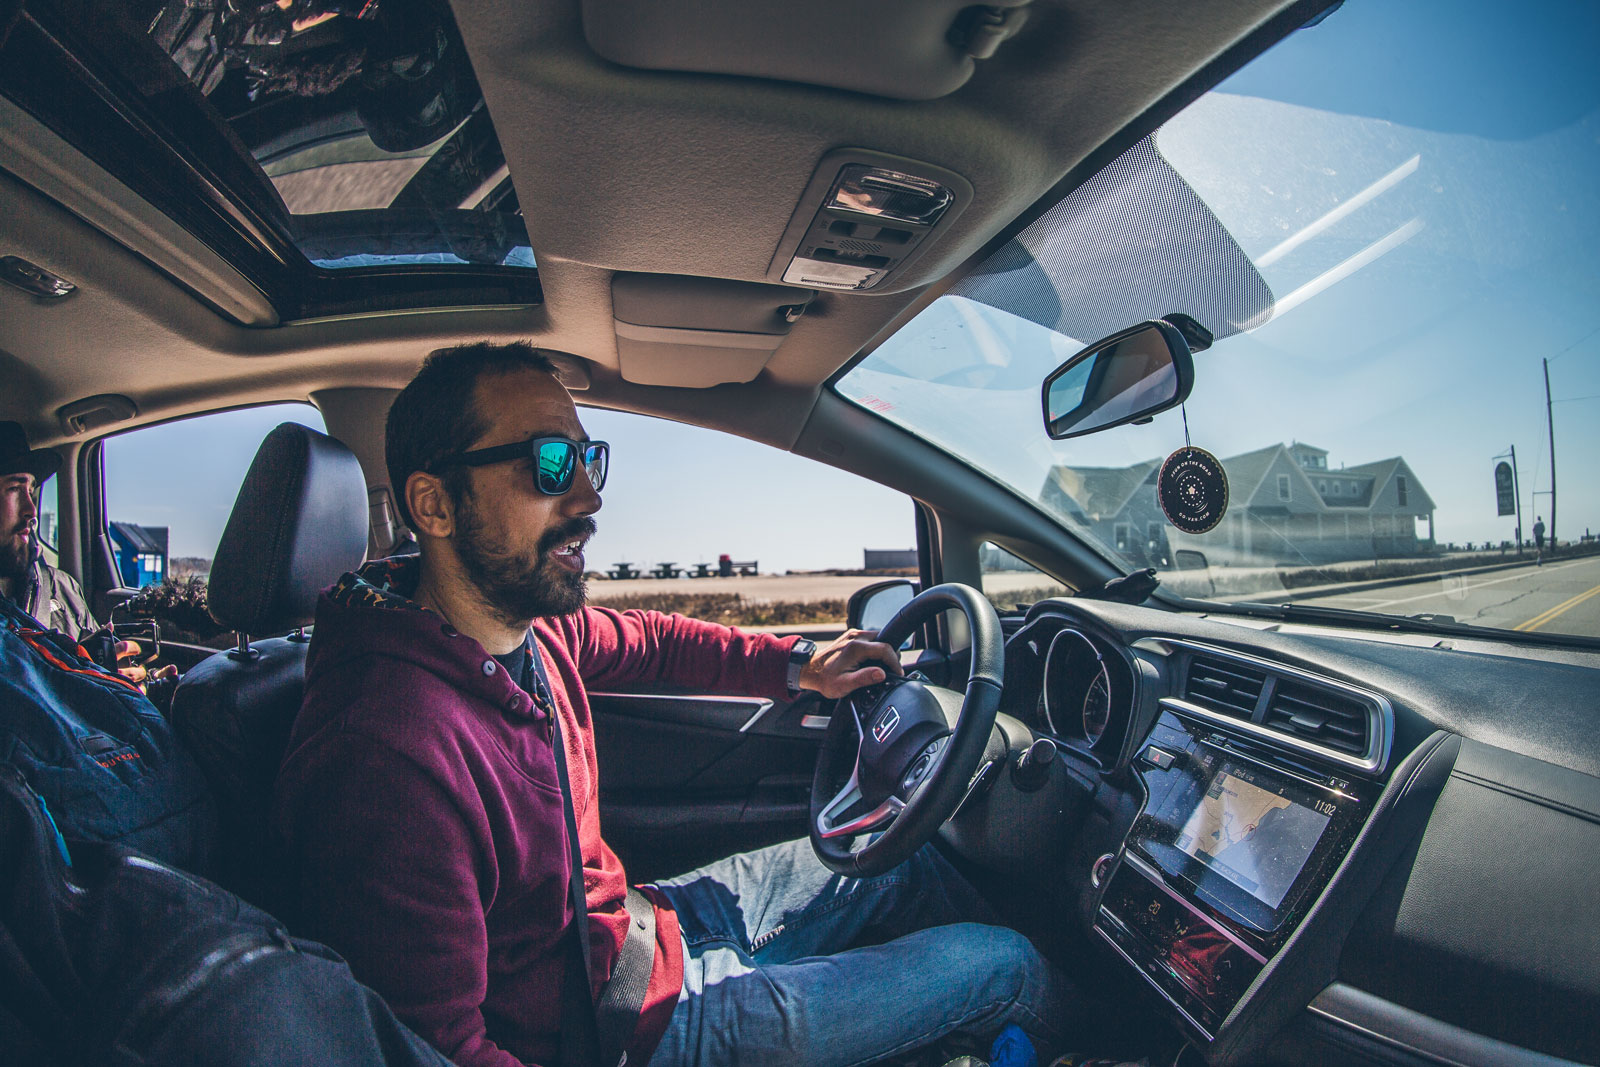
(366, 119)
(337, 152)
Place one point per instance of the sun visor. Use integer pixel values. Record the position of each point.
(903, 49)
(698, 332)
(1134, 242)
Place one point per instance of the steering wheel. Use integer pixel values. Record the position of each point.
(905, 750)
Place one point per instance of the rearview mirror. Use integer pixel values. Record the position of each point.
(1127, 377)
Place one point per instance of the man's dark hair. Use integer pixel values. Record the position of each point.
(434, 416)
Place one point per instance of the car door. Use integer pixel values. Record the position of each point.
(686, 777)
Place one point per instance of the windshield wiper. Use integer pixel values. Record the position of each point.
(1427, 622)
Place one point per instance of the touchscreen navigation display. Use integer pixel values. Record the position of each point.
(1251, 833)
(1233, 831)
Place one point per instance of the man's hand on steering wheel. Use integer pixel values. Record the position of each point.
(853, 661)
(896, 762)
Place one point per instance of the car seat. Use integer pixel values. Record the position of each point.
(299, 522)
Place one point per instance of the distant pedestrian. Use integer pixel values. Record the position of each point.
(1538, 538)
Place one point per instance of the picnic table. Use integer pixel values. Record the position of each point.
(666, 570)
(622, 570)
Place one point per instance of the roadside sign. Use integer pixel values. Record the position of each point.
(1503, 490)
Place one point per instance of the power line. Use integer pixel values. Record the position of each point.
(1572, 399)
(1575, 344)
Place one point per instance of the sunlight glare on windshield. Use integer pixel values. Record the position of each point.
(1416, 190)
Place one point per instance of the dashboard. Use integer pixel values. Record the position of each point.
(1314, 845)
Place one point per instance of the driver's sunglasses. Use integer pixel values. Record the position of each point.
(555, 461)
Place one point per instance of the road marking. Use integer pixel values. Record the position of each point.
(1544, 617)
(1532, 571)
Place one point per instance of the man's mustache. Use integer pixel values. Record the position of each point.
(576, 530)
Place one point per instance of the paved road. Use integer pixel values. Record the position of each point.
(1562, 596)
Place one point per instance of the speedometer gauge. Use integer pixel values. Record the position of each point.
(1076, 695)
(1097, 707)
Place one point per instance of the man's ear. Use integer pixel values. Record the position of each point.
(432, 511)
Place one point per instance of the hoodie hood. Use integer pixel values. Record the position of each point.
(369, 613)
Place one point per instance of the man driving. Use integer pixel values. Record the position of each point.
(425, 796)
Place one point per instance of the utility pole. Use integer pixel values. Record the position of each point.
(1516, 489)
(1550, 424)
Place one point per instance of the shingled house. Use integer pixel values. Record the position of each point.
(1285, 506)
(141, 553)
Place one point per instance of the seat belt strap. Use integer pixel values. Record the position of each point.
(602, 1032)
(617, 1015)
(579, 1037)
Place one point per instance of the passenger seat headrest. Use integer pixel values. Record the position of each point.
(299, 523)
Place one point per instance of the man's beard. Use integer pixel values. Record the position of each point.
(16, 557)
(518, 588)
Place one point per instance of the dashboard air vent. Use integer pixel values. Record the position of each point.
(1223, 686)
(1324, 717)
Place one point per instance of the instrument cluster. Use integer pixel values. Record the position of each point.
(1072, 684)
(1075, 699)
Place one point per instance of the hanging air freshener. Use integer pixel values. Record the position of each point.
(1192, 487)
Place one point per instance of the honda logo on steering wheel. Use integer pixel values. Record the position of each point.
(885, 725)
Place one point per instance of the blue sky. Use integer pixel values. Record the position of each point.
(1431, 351)
(1425, 255)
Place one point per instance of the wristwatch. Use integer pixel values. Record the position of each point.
(800, 654)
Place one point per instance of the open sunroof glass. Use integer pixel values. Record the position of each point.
(363, 121)
(300, 139)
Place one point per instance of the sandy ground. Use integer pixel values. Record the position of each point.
(771, 587)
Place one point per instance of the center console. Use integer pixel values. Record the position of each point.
(1238, 839)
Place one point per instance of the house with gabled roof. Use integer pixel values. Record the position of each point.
(140, 553)
(1286, 506)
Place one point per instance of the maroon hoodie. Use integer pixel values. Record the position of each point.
(420, 806)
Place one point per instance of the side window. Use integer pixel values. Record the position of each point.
(169, 491)
(1009, 581)
(50, 513)
(716, 527)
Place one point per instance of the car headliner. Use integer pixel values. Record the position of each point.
(619, 169)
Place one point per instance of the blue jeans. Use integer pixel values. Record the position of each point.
(789, 963)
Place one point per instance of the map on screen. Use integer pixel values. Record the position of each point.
(1255, 838)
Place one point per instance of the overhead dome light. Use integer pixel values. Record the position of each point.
(863, 216)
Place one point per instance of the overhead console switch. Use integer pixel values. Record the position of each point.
(864, 217)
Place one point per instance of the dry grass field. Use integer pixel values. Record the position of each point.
(780, 600)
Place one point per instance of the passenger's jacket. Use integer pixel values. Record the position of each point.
(420, 805)
(53, 597)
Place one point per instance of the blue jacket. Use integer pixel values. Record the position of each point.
(93, 746)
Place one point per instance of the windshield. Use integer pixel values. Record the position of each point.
(1389, 222)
